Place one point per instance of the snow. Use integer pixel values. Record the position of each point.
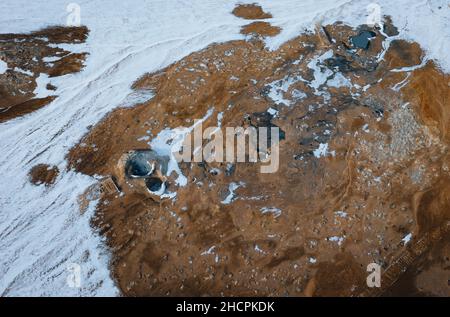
(337, 239)
(322, 151)
(231, 196)
(170, 141)
(407, 238)
(321, 74)
(41, 229)
(209, 251)
(279, 87)
(276, 212)
(41, 90)
(258, 249)
(137, 97)
(3, 67)
(341, 214)
(273, 112)
(338, 81)
(51, 59)
(23, 71)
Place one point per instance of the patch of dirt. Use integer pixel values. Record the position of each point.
(433, 279)
(43, 174)
(251, 12)
(429, 274)
(23, 108)
(384, 166)
(30, 55)
(260, 28)
(341, 277)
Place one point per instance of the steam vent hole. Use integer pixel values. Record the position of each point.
(138, 165)
(362, 40)
(154, 184)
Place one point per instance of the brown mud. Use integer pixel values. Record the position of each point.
(260, 28)
(26, 56)
(43, 174)
(251, 12)
(385, 175)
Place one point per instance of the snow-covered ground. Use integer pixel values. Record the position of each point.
(41, 230)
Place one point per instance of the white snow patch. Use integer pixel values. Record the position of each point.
(273, 112)
(322, 151)
(41, 90)
(280, 87)
(41, 229)
(321, 74)
(341, 214)
(338, 81)
(23, 71)
(298, 95)
(3, 67)
(258, 249)
(209, 251)
(337, 239)
(137, 97)
(51, 59)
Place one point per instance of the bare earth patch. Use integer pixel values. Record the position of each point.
(364, 171)
(43, 174)
(28, 56)
(251, 12)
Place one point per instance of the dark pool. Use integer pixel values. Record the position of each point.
(139, 164)
(154, 184)
(362, 40)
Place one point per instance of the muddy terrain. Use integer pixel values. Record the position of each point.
(43, 174)
(364, 170)
(31, 58)
(312, 227)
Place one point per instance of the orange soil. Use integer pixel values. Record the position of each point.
(250, 12)
(390, 172)
(27, 52)
(43, 174)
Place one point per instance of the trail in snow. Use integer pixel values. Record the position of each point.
(41, 229)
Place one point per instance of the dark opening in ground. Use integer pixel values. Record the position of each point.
(362, 40)
(140, 164)
(154, 184)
